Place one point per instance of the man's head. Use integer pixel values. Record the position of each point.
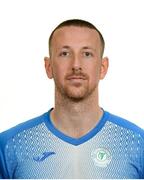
(76, 64)
(77, 23)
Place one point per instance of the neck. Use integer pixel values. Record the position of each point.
(76, 118)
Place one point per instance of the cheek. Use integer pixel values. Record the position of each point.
(59, 72)
(94, 75)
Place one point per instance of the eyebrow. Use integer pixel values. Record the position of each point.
(85, 47)
(66, 47)
(88, 47)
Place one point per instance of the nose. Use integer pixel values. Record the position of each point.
(76, 65)
(76, 70)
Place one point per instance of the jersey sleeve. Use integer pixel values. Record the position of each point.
(142, 161)
(1, 173)
(1, 176)
(2, 163)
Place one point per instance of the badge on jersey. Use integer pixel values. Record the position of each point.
(101, 157)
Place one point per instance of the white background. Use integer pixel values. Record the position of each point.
(25, 25)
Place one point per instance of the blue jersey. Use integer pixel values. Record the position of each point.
(36, 149)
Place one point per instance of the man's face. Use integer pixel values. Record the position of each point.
(75, 62)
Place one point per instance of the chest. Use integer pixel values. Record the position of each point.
(100, 157)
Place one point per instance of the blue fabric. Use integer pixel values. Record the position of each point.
(114, 148)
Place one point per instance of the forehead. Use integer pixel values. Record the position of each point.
(75, 36)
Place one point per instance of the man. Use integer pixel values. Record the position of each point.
(77, 138)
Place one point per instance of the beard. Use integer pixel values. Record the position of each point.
(74, 90)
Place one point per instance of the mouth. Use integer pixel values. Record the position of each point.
(76, 81)
(76, 78)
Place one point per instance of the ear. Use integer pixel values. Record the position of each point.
(48, 67)
(104, 67)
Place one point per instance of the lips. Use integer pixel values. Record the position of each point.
(76, 77)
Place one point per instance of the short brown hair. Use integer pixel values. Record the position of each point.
(78, 23)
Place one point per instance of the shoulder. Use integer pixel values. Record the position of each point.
(8, 134)
(124, 123)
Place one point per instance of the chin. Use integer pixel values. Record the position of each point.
(75, 96)
(79, 94)
(76, 99)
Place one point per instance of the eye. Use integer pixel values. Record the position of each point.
(64, 53)
(88, 54)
